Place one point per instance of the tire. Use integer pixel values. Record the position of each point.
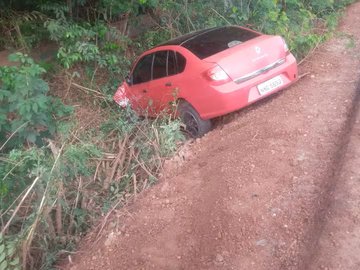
(194, 124)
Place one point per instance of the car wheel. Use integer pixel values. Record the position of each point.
(194, 124)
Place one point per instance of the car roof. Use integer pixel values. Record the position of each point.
(184, 38)
(207, 42)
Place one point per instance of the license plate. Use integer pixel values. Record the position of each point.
(270, 85)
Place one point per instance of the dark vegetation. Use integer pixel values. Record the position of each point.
(68, 155)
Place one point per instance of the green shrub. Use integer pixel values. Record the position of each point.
(295, 20)
(17, 169)
(97, 45)
(9, 260)
(26, 111)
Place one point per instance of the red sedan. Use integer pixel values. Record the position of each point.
(208, 73)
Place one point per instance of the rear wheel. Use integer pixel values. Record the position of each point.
(194, 124)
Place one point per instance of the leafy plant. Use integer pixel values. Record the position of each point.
(21, 29)
(98, 44)
(27, 113)
(16, 171)
(9, 260)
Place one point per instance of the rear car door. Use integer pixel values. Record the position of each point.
(166, 81)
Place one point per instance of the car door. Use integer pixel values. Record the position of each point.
(165, 82)
(140, 80)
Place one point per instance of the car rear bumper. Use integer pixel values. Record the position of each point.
(233, 96)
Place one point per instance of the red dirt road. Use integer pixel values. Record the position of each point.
(272, 187)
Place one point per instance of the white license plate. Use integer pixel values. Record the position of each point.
(270, 85)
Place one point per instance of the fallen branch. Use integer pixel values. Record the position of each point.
(19, 205)
(103, 223)
(12, 134)
(303, 75)
(30, 235)
(96, 171)
(310, 53)
(88, 89)
(119, 160)
(135, 188)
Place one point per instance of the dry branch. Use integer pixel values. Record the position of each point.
(88, 89)
(12, 134)
(103, 223)
(118, 162)
(310, 53)
(19, 205)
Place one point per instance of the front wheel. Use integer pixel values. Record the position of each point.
(194, 124)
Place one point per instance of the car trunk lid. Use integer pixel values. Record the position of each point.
(250, 59)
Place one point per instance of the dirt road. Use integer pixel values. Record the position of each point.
(275, 186)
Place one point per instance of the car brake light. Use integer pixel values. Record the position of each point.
(217, 74)
(286, 48)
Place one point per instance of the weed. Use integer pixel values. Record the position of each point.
(351, 43)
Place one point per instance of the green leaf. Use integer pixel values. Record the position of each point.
(35, 107)
(2, 248)
(11, 247)
(3, 265)
(14, 57)
(15, 262)
(2, 257)
(31, 137)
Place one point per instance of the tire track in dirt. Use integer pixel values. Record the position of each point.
(332, 184)
(336, 185)
(336, 173)
(255, 192)
(337, 244)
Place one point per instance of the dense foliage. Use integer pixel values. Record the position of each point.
(297, 20)
(58, 175)
(26, 110)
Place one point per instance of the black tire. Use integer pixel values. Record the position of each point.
(194, 124)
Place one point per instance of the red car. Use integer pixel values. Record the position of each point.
(208, 73)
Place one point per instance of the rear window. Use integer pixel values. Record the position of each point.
(219, 39)
(159, 66)
(181, 62)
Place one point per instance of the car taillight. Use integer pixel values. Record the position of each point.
(286, 48)
(217, 74)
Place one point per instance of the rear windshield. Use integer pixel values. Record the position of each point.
(217, 40)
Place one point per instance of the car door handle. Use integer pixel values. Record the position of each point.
(144, 90)
(168, 84)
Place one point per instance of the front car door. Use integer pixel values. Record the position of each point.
(140, 79)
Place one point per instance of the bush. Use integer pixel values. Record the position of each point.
(99, 46)
(296, 20)
(27, 113)
(68, 185)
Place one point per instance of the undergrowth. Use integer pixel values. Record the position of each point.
(60, 175)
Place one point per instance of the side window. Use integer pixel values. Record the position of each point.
(142, 71)
(159, 67)
(181, 62)
(171, 63)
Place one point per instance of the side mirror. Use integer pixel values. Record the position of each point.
(128, 80)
